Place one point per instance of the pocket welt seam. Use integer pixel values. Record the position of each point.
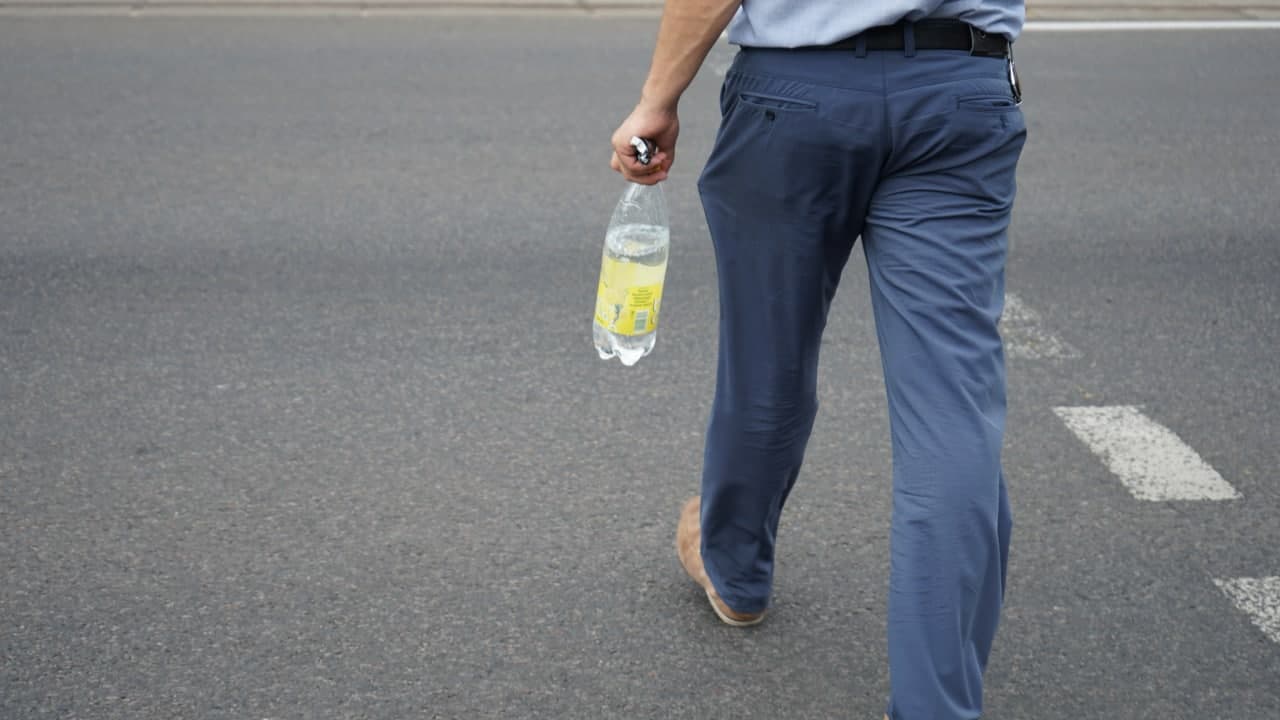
(777, 102)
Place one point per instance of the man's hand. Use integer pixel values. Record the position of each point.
(659, 124)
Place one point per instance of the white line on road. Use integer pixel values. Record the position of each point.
(1025, 336)
(1259, 598)
(1152, 462)
(1141, 25)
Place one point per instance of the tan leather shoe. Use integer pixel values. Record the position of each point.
(689, 550)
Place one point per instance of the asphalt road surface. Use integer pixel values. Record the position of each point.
(299, 416)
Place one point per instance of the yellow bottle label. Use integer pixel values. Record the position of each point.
(629, 296)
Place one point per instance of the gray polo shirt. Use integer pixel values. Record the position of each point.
(792, 23)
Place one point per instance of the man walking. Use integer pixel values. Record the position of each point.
(896, 121)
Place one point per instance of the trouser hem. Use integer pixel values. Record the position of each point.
(736, 603)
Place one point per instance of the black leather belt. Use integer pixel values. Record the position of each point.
(929, 35)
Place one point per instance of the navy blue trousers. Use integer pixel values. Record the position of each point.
(916, 154)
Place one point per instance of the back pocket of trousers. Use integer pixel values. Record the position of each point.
(987, 103)
(777, 102)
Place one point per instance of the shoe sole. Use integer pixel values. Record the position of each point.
(730, 621)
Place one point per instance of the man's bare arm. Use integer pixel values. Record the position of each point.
(688, 30)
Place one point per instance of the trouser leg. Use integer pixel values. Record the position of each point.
(935, 244)
(765, 402)
(780, 196)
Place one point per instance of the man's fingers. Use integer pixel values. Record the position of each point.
(632, 169)
(654, 172)
(659, 161)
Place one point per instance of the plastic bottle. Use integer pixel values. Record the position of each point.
(632, 271)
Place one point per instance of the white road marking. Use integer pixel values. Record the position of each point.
(1259, 598)
(1025, 336)
(1143, 25)
(1152, 462)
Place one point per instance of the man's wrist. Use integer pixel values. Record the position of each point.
(657, 99)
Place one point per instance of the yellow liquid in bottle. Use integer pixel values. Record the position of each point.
(629, 298)
(630, 294)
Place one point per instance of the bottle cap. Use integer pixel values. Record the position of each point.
(644, 149)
